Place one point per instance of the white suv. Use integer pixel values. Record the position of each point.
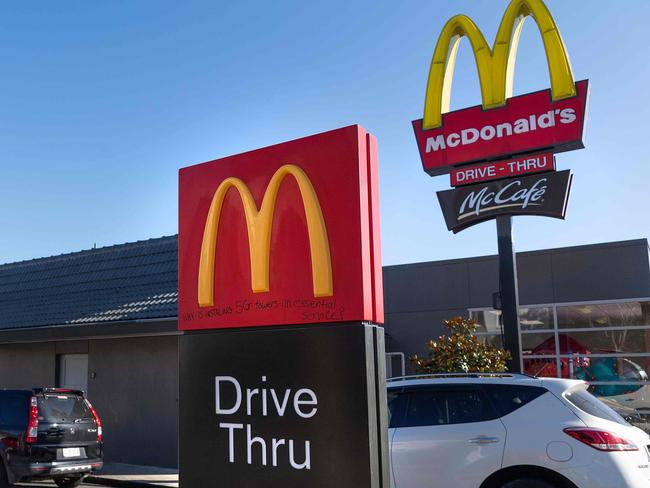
(509, 431)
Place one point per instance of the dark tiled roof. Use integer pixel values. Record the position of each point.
(125, 282)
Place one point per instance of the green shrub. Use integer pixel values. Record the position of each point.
(461, 352)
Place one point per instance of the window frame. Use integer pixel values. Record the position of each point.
(556, 330)
(488, 413)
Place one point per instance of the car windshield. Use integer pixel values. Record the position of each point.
(588, 403)
(62, 408)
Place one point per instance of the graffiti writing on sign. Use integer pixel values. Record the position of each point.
(311, 310)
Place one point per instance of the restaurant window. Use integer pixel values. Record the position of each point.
(600, 315)
(605, 343)
(536, 318)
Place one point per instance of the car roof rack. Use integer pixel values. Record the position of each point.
(460, 375)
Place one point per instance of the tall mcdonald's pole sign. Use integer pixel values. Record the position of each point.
(282, 376)
(500, 155)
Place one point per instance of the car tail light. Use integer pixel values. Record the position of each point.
(97, 421)
(601, 439)
(32, 426)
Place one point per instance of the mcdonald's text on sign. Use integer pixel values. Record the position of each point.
(534, 163)
(527, 123)
(503, 126)
(287, 234)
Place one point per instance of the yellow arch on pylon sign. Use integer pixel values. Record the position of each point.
(259, 224)
(495, 66)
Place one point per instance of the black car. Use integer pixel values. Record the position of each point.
(48, 433)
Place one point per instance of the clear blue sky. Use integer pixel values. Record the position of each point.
(102, 102)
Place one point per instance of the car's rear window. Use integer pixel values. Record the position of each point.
(62, 408)
(588, 403)
(508, 398)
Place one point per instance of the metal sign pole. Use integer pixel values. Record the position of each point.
(509, 291)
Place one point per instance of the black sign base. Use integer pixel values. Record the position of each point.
(281, 407)
(545, 194)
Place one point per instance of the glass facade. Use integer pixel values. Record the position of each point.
(605, 343)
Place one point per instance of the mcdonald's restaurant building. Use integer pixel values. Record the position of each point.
(105, 320)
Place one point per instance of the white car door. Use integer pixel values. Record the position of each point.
(446, 437)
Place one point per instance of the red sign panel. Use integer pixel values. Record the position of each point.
(536, 163)
(287, 234)
(527, 123)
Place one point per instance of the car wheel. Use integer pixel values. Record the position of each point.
(68, 482)
(528, 483)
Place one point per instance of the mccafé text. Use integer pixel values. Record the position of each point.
(260, 402)
(510, 195)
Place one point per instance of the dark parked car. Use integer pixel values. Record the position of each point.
(48, 433)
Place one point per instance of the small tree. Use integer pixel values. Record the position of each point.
(461, 352)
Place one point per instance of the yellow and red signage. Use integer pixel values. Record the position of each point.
(287, 234)
(504, 126)
(496, 170)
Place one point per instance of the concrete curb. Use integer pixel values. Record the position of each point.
(99, 480)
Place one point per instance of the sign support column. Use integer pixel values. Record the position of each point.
(279, 277)
(509, 291)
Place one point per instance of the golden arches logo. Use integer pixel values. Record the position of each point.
(495, 66)
(259, 224)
